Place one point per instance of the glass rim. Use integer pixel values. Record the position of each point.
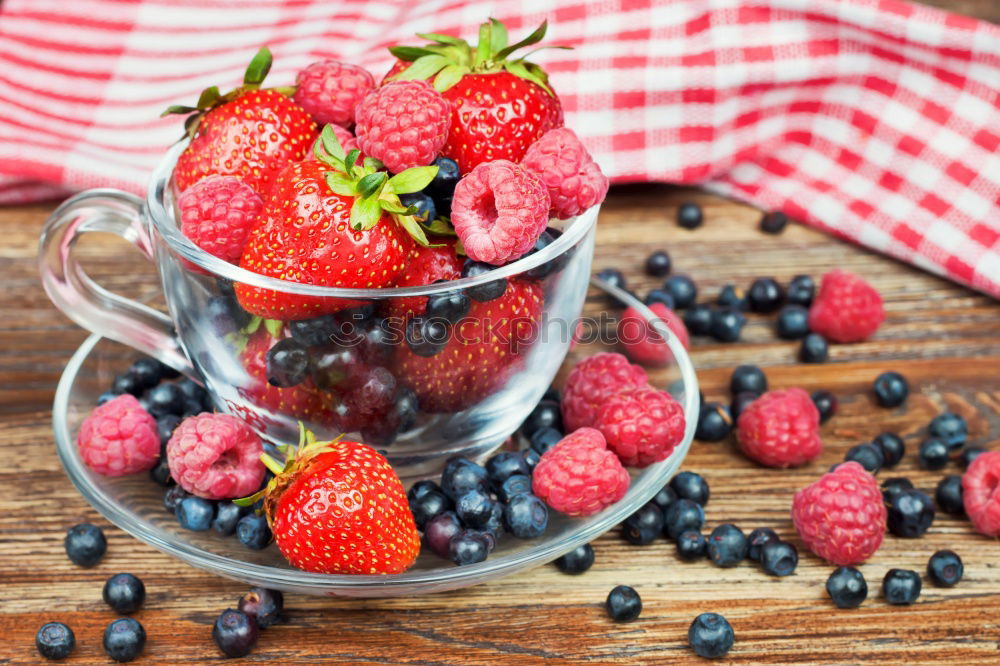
(165, 224)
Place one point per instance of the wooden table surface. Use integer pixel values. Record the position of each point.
(944, 338)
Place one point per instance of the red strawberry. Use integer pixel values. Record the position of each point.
(338, 507)
(483, 350)
(499, 107)
(426, 265)
(251, 133)
(303, 401)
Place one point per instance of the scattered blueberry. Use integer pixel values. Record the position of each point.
(518, 484)
(467, 547)
(868, 455)
(451, 306)
(892, 448)
(711, 636)
(826, 404)
(910, 513)
(439, 531)
(426, 337)
(692, 486)
(933, 454)
(504, 465)
(691, 545)
(526, 516)
(969, 454)
(422, 203)
(756, 541)
(85, 544)
(124, 593)
(765, 295)
(779, 558)
(664, 498)
(945, 568)
(714, 422)
(643, 526)
(263, 605)
(801, 290)
(814, 349)
(660, 296)
(891, 389)
(658, 264)
(483, 292)
(427, 506)
(577, 560)
(146, 372)
(847, 587)
(740, 402)
(727, 324)
(461, 475)
(124, 639)
(773, 222)
(55, 640)
(623, 604)
(554, 265)
(235, 633)
(683, 290)
(195, 513)
(227, 515)
(727, 545)
(681, 516)
(546, 414)
(160, 472)
(474, 508)
(165, 399)
(793, 322)
(732, 296)
(948, 495)
(172, 498)
(252, 531)
(689, 215)
(894, 486)
(165, 426)
(901, 587)
(126, 383)
(544, 439)
(748, 379)
(613, 277)
(951, 428)
(421, 488)
(698, 319)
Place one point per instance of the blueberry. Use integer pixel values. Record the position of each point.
(439, 531)
(427, 506)
(263, 605)
(969, 454)
(664, 498)
(793, 322)
(450, 306)
(714, 422)
(773, 222)
(504, 465)
(315, 332)
(124, 593)
(577, 560)
(518, 484)
(740, 402)
(682, 289)
(948, 495)
(235, 633)
(165, 426)
(732, 296)
(778, 558)
(894, 486)
(658, 264)
(689, 485)
(892, 448)
(227, 515)
(287, 363)
(727, 324)
(483, 292)
(801, 290)
(901, 587)
(124, 639)
(847, 587)
(909, 513)
(166, 399)
(552, 393)
(467, 547)
(891, 389)
(126, 383)
(146, 372)
(421, 488)
(526, 516)
(461, 475)
(814, 349)
(107, 396)
(613, 277)
(681, 516)
(173, 497)
(474, 508)
(868, 455)
(422, 203)
(727, 545)
(252, 531)
(691, 545)
(443, 185)
(933, 454)
(689, 215)
(826, 404)
(160, 472)
(765, 295)
(748, 379)
(544, 439)
(85, 544)
(623, 604)
(945, 568)
(643, 526)
(546, 414)
(756, 541)
(195, 513)
(710, 636)
(553, 265)
(224, 315)
(193, 391)
(660, 296)
(698, 319)
(950, 428)
(55, 640)
(426, 337)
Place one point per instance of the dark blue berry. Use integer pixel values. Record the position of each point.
(714, 422)
(546, 414)
(801, 290)
(446, 178)
(160, 472)
(461, 475)
(263, 605)
(423, 205)
(643, 526)
(847, 587)
(166, 399)
(894, 486)
(969, 454)
(468, 547)
(659, 296)
(426, 337)
(227, 515)
(727, 324)
(503, 465)
(740, 402)
(235, 633)
(892, 448)
(793, 322)
(748, 379)
(146, 372)
(681, 516)
(483, 292)
(525, 516)
(613, 277)
(172, 498)
(691, 545)
(732, 296)
(948, 495)
(658, 264)
(868, 455)
(85, 544)
(287, 363)
(439, 531)
(577, 560)
(951, 428)
(901, 587)
(127, 383)
(224, 315)
(756, 541)
(474, 508)
(544, 439)
(124, 639)
(765, 295)
(450, 306)
(518, 484)
(698, 319)
(710, 636)
(531, 458)
(689, 215)
(107, 396)
(778, 558)
(252, 531)
(727, 545)
(933, 454)
(315, 332)
(165, 426)
(124, 593)
(692, 486)
(195, 513)
(826, 404)
(773, 222)
(623, 604)
(553, 265)
(664, 498)
(421, 488)
(427, 506)
(682, 289)
(193, 391)
(55, 640)
(909, 513)
(945, 568)
(891, 389)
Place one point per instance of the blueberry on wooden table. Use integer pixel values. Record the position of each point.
(85, 544)
(124, 639)
(711, 636)
(124, 593)
(623, 604)
(55, 640)
(847, 587)
(901, 587)
(576, 561)
(235, 632)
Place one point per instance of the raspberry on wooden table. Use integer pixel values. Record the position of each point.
(981, 493)
(403, 123)
(641, 425)
(119, 438)
(846, 309)
(580, 476)
(215, 456)
(591, 382)
(217, 213)
(330, 90)
(780, 429)
(575, 182)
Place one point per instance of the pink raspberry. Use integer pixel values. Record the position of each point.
(981, 493)
(403, 123)
(642, 343)
(215, 456)
(217, 213)
(119, 438)
(780, 429)
(591, 382)
(641, 425)
(841, 517)
(579, 476)
(330, 90)
(574, 180)
(499, 210)
(846, 309)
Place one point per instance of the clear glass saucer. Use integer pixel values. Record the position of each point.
(134, 503)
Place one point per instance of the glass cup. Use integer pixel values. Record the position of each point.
(371, 372)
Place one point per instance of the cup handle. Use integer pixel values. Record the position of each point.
(86, 302)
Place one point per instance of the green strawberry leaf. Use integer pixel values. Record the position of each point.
(209, 96)
(413, 228)
(449, 76)
(331, 144)
(442, 39)
(397, 208)
(439, 227)
(253, 325)
(459, 248)
(273, 327)
(177, 109)
(340, 184)
(410, 53)
(483, 51)
(498, 36)
(373, 164)
(423, 68)
(349, 161)
(365, 213)
(258, 68)
(413, 180)
(520, 70)
(371, 183)
(535, 37)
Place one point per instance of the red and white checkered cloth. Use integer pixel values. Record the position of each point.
(876, 120)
